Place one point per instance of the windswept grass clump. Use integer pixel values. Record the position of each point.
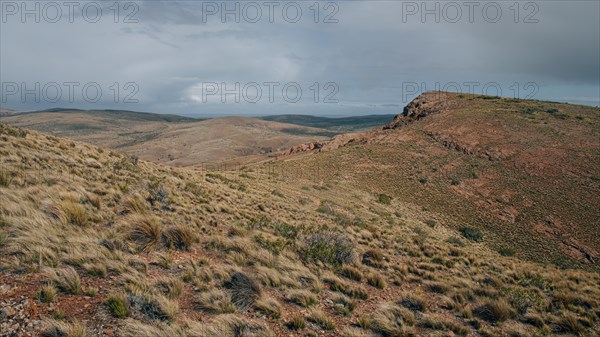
(6, 177)
(178, 237)
(497, 310)
(47, 293)
(244, 290)
(66, 279)
(118, 305)
(269, 306)
(321, 319)
(392, 320)
(54, 328)
(302, 297)
(144, 231)
(215, 301)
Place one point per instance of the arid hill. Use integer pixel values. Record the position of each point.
(527, 172)
(170, 139)
(396, 233)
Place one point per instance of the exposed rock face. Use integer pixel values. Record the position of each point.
(304, 148)
(422, 106)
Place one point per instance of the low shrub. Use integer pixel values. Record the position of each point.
(384, 199)
(328, 247)
(472, 233)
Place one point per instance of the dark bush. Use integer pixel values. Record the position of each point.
(384, 199)
(471, 233)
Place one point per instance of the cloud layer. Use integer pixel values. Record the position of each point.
(360, 57)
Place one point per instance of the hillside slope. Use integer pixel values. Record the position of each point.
(96, 243)
(525, 172)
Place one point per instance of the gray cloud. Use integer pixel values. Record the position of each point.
(370, 54)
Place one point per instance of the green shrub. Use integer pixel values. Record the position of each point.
(328, 247)
(6, 177)
(471, 233)
(506, 251)
(384, 199)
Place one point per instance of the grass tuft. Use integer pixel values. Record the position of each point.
(243, 289)
(118, 305)
(66, 279)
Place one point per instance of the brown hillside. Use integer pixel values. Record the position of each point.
(527, 171)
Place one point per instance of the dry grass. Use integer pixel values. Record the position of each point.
(297, 322)
(391, 320)
(302, 297)
(269, 306)
(66, 279)
(320, 318)
(47, 293)
(352, 273)
(54, 328)
(215, 301)
(178, 237)
(377, 280)
(144, 231)
(244, 290)
(494, 311)
(118, 305)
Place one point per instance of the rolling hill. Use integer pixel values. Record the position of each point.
(171, 139)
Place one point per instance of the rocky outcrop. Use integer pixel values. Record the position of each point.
(422, 106)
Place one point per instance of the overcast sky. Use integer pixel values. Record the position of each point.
(360, 57)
